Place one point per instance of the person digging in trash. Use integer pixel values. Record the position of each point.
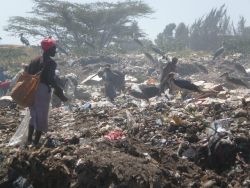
(170, 67)
(40, 109)
(117, 77)
(112, 81)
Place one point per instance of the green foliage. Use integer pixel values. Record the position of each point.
(206, 32)
(168, 41)
(12, 57)
(82, 27)
(165, 40)
(238, 44)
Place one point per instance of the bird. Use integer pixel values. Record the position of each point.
(144, 92)
(24, 40)
(182, 85)
(219, 51)
(241, 69)
(170, 67)
(233, 80)
(116, 77)
(113, 80)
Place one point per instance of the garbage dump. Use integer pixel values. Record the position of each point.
(202, 140)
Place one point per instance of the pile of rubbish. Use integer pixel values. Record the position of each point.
(202, 141)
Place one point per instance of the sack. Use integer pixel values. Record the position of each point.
(21, 135)
(23, 93)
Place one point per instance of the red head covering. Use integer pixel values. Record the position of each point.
(47, 44)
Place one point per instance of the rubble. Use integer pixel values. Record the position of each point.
(202, 141)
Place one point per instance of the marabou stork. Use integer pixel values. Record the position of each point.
(170, 67)
(241, 69)
(180, 84)
(113, 80)
(144, 92)
(219, 51)
(233, 80)
(115, 77)
(24, 40)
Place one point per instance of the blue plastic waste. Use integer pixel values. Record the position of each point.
(86, 106)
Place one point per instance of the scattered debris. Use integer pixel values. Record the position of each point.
(200, 141)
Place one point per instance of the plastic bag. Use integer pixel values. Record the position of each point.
(70, 89)
(219, 126)
(21, 134)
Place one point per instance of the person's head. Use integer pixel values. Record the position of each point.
(49, 47)
(174, 60)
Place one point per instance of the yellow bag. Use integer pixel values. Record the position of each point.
(23, 93)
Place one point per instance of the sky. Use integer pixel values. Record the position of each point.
(166, 11)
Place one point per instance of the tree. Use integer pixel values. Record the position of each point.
(182, 36)
(82, 27)
(208, 31)
(165, 40)
(241, 26)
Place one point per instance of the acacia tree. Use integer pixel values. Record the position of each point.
(82, 27)
(207, 32)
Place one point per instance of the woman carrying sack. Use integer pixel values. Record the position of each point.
(40, 109)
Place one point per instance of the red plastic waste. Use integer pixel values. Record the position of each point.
(115, 135)
(4, 84)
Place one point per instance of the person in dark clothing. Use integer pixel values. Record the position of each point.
(109, 87)
(113, 80)
(40, 109)
(170, 67)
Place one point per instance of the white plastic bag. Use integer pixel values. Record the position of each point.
(69, 89)
(21, 135)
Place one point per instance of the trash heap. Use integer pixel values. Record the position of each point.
(199, 142)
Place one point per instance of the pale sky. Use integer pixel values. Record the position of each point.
(166, 11)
